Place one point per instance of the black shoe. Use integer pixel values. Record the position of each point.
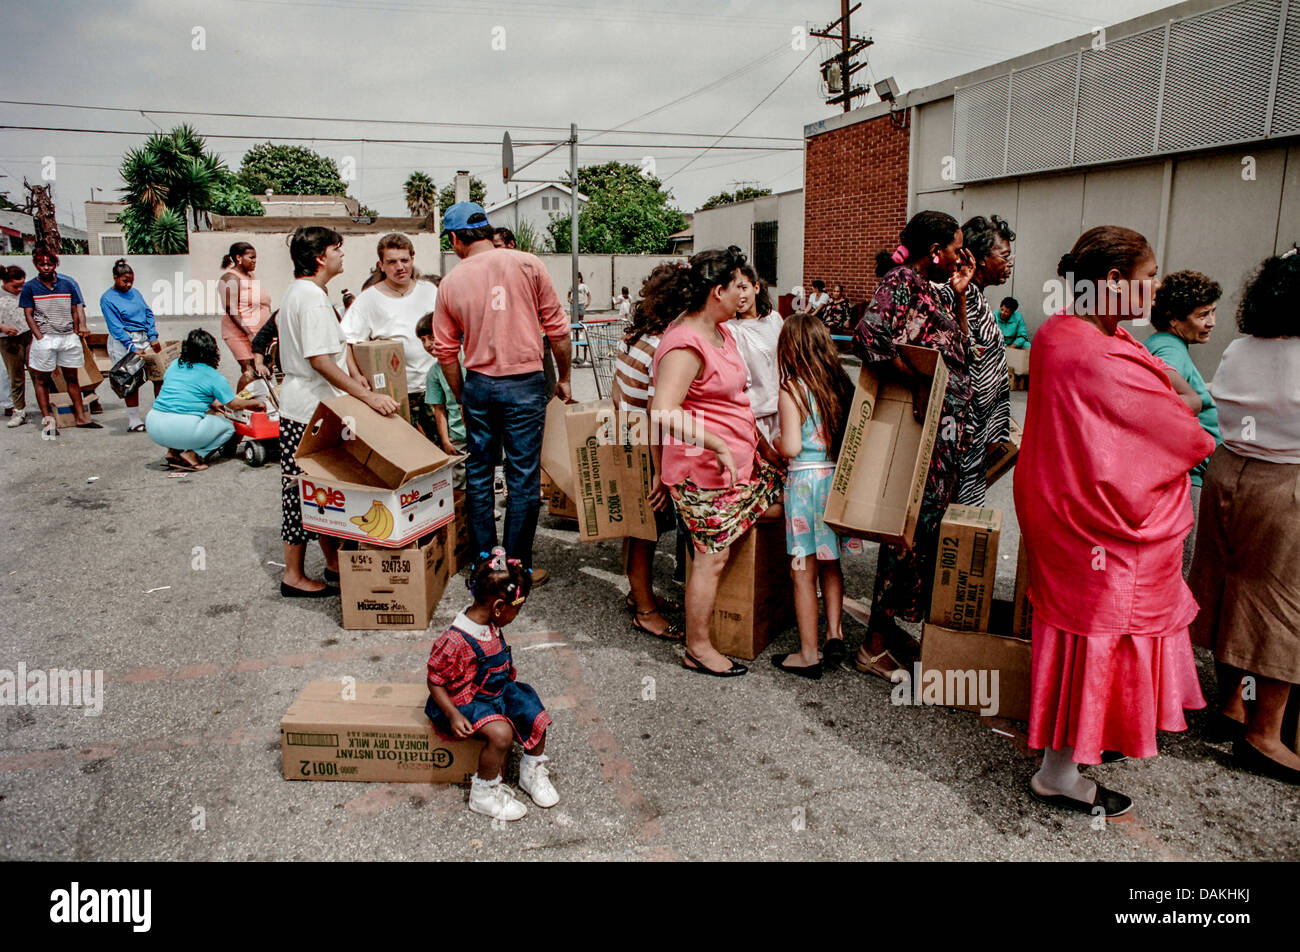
(1112, 756)
(1251, 758)
(1111, 803)
(813, 671)
(288, 591)
(1222, 729)
(92, 425)
(330, 577)
(834, 652)
(698, 666)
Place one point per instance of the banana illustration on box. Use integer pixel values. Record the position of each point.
(377, 522)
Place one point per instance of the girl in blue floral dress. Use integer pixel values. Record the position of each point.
(813, 407)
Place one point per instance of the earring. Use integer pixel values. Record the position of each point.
(935, 259)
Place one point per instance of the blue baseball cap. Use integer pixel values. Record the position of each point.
(464, 215)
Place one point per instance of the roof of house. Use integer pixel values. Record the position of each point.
(273, 224)
(539, 187)
(17, 221)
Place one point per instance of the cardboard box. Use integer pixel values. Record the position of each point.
(956, 667)
(1018, 361)
(557, 460)
(61, 403)
(395, 589)
(381, 735)
(561, 506)
(1006, 456)
(371, 478)
(880, 475)
(383, 363)
(461, 555)
(964, 568)
(612, 474)
(155, 365)
(1022, 612)
(755, 600)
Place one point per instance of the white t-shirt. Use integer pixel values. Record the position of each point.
(756, 338)
(624, 306)
(375, 315)
(308, 328)
(1257, 390)
(816, 300)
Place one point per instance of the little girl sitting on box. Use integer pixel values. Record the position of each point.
(473, 691)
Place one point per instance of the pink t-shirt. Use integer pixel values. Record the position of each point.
(497, 304)
(718, 402)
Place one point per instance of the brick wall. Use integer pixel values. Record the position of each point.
(855, 203)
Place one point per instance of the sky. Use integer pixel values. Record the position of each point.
(446, 79)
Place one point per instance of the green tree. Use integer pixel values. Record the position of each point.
(626, 213)
(290, 170)
(528, 238)
(231, 197)
(171, 177)
(7, 205)
(421, 194)
(366, 211)
(740, 195)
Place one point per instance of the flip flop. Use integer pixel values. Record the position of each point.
(671, 633)
(138, 428)
(873, 666)
(91, 425)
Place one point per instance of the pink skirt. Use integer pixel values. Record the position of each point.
(1110, 692)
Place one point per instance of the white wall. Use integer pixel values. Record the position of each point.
(734, 225)
(94, 274)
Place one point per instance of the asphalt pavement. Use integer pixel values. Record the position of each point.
(169, 585)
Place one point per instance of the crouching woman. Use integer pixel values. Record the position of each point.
(185, 417)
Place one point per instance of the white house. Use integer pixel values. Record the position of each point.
(535, 205)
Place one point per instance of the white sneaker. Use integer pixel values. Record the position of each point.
(18, 419)
(535, 780)
(497, 802)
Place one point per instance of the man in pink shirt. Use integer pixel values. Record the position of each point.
(491, 305)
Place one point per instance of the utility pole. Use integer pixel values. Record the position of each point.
(839, 69)
(573, 219)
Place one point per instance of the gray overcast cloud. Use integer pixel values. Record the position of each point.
(601, 65)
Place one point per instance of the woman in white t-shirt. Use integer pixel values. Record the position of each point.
(819, 300)
(318, 365)
(757, 327)
(1248, 534)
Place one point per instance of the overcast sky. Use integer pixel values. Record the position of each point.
(606, 65)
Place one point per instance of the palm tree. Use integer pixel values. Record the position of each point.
(169, 177)
(421, 194)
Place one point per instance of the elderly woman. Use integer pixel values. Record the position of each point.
(711, 466)
(989, 419)
(1244, 571)
(1102, 496)
(1183, 314)
(907, 309)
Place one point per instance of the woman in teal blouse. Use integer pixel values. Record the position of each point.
(1183, 314)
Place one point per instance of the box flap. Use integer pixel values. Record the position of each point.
(348, 441)
(556, 458)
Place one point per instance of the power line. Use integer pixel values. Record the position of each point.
(370, 141)
(390, 122)
(746, 115)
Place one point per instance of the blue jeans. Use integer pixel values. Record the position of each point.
(504, 413)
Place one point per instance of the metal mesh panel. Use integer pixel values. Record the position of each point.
(1118, 90)
(979, 126)
(1042, 113)
(1220, 69)
(1286, 111)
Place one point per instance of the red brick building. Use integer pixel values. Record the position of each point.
(855, 200)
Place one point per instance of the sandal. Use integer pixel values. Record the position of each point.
(671, 633)
(661, 605)
(138, 428)
(873, 666)
(699, 667)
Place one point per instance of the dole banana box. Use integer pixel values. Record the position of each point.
(371, 478)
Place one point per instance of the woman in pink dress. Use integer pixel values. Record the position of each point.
(245, 306)
(1103, 499)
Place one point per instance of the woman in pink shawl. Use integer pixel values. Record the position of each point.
(1103, 499)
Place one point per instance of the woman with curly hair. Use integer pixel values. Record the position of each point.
(1183, 314)
(989, 417)
(1244, 570)
(187, 415)
(661, 300)
(710, 462)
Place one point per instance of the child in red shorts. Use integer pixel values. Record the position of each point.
(473, 691)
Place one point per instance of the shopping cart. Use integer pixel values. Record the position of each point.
(602, 345)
